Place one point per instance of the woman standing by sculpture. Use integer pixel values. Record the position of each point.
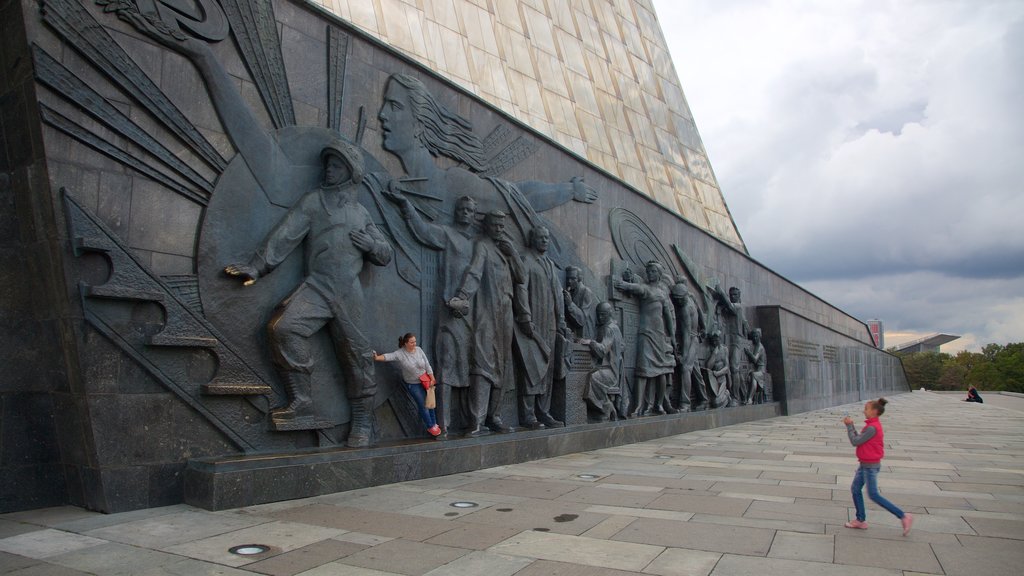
(417, 375)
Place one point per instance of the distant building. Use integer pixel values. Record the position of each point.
(877, 330)
(926, 344)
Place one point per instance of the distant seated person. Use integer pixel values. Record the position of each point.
(973, 396)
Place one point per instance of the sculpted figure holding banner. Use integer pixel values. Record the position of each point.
(489, 297)
(655, 355)
(538, 355)
(339, 237)
(605, 381)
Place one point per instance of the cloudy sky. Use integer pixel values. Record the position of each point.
(872, 151)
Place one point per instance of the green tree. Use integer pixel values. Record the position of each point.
(923, 369)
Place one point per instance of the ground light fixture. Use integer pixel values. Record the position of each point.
(463, 504)
(249, 549)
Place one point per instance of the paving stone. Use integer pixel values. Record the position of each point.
(610, 497)
(797, 512)
(797, 546)
(1016, 490)
(805, 527)
(997, 528)
(706, 503)
(404, 557)
(10, 528)
(305, 558)
(46, 569)
(641, 513)
(916, 556)
(11, 562)
(339, 569)
(114, 559)
(972, 562)
(698, 536)
(45, 543)
(476, 563)
(192, 567)
(761, 489)
(654, 481)
(579, 550)
(384, 500)
(608, 528)
(811, 477)
(682, 562)
(531, 489)
(473, 536)
(731, 565)
(170, 529)
(279, 536)
(553, 516)
(92, 522)
(548, 568)
(50, 517)
(379, 523)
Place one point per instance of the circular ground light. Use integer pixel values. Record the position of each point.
(587, 476)
(463, 504)
(249, 549)
(662, 457)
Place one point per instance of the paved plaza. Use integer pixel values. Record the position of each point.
(762, 498)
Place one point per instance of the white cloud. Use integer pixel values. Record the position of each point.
(869, 149)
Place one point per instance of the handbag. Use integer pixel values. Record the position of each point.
(431, 400)
(425, 380)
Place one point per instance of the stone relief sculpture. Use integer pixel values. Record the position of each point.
(538, 353)
(655, 359)
(339, 237)
(580, 303)
(454, 333)
(604, 383)
(689, 328)
(717, 369)
(732, 320)
(489, 296)
(758, 361)
(499, 316)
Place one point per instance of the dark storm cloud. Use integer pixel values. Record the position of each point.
(870, 151)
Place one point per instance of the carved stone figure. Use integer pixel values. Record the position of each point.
(655, 357)
(339, 237)
(758, 361)
(605, 381)
(538, 357)
(689, 326)
(734, 323)
(580, 303)
(416, 128)
(454, 334)
(718, 371)
(487, 294)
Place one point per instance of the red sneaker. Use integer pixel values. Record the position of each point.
(434, 430)
(907, 521)
(858, 524)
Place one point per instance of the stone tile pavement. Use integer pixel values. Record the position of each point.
(761, 498)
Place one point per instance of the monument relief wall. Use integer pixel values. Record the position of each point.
(246, 228)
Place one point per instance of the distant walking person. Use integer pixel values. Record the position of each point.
(973, 396)
(870, 445)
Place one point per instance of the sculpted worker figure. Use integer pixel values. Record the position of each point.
(655, 355)
(735, 324)
(758, 360)
(536, 336)
(454, 334)
(689, 325)
(607, 349)
(580, 303)
(488, 296)
(339, 237)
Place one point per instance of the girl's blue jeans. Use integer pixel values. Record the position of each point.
(419, 396)
(869, 476)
